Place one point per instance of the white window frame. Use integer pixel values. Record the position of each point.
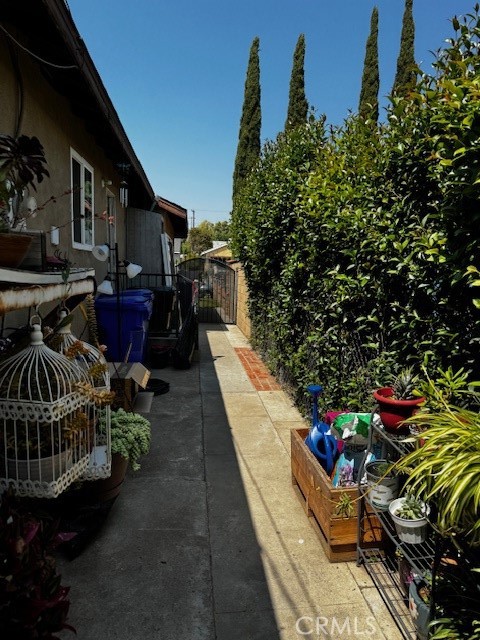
(77, 205)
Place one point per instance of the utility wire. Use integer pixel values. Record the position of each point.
(50, 64)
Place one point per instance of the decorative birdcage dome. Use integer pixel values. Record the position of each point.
(92, 362)
(43, 420)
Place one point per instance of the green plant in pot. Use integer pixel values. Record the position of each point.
(131, 434)
(419, 604)
(382, 483)
(398, 401)
(130, 439)
(410, 518)
(22, 164)
(445, 470)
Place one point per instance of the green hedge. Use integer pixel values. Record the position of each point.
(356, 240)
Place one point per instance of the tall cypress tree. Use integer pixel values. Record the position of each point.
(248, 149)
(368, 104)
(406, 75)
(297, 103)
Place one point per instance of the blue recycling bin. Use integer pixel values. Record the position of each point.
(139, 293)
(127, 315)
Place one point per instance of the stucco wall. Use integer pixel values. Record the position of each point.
(49, 116)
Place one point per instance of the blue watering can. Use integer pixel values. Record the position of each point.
(322, 444)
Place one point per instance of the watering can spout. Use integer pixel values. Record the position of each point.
(319, 439)
(315, 390)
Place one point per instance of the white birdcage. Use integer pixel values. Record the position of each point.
(92, 362)
(43, 420)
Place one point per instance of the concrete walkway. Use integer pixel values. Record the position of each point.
(208, 540)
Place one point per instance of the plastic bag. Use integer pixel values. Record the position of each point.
(348, 425)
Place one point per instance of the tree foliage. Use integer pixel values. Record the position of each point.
(201, 237)
(356, 240)
(248, 149)
(406, 73)
(368, 104)
(297, 102)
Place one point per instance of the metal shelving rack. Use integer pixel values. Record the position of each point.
(377, 561)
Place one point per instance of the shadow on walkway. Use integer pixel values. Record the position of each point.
(177, 557)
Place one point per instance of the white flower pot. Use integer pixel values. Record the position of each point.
(43, 469)
(382, 491)
(409, 531)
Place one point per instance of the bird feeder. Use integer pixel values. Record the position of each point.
(43, 420)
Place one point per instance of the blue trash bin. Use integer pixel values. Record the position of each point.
(147, 294)
(129, 315)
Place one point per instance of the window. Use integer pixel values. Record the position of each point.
(82, 203)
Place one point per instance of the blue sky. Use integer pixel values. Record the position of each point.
(175, 71)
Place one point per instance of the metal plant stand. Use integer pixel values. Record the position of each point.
(380, 562)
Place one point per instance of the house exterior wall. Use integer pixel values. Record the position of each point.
(168, 227)
(50, 117)
(222, 253)
(144, 230)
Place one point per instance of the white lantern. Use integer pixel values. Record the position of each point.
(92, 362)
(43, 421)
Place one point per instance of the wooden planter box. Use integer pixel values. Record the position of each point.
(337, 534)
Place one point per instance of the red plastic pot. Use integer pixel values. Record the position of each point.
(393, 412)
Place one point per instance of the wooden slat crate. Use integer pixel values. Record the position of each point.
(338, 534)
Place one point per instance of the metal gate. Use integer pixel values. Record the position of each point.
(216, 288)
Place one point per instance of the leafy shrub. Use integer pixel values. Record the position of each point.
(355, 241)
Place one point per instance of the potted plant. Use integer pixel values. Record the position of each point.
(410, 518)
(33, 603)
(445, 470)
(43, 454)
(382, 483)
(130, 439)
(22, 163)
(398, 401)
(419, 604)
(405, 574)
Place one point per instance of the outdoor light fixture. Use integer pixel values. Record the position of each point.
(132, 269)
(106, 287)
(102, 252)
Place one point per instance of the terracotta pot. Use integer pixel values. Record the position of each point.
(13, 249)
(393, 412)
